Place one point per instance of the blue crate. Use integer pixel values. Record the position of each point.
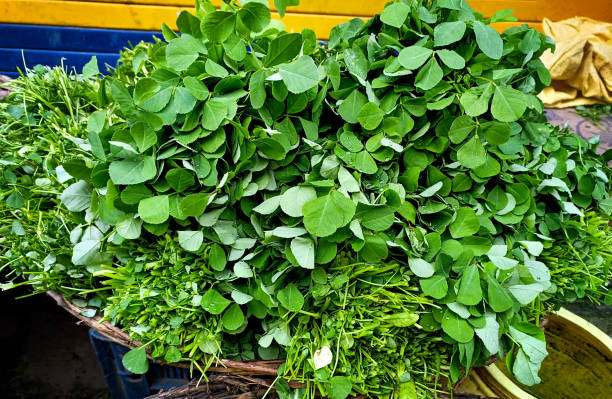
(60, 45)
(125, 385)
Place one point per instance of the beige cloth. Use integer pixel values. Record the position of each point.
(581, 66)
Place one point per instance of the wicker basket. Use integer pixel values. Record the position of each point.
(254, 374)
(228, 378)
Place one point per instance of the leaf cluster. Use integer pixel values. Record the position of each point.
(392, 197)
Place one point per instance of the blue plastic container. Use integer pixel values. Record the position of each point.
(125, 385)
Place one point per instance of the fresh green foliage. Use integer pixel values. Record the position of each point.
(379, 211)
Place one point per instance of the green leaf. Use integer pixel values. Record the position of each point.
(489, 41)
(292, 200)
(214, 69)
(357, 64)
(136, 360)
(534, 248)
(475, 101)
(606, 205)
(129, 227)
(421, 267)
(196, 87)
(154, 210)
(340, 387)
(394, 15)
(374, 249)
(91, 68)
(461, 127)
(157, 101)
(213, 114)
(143, 135)
(133, 170)
(499, 299)
(257, 89)
(456, 327)
(375, 217)
(188, 23)
(432, 190)
(470, 291)
(489, 334)
(291, 298)
(508, 104)
(77, 196)
(303, 250)
(182, 52)
(217, 258)
(435, 286)
(525, 293)
(370, 116)
(219, 25)
(233, 318)
(448, 33)
(350, 107)
(300, 75)
(525, 370)
(496, 133)
(194, 204)
(242, 270)
(414, 56)
(268, 206)
(348, 181)
(168, 33)
(472, 154)
(254, 15)
(534, 348)
(365, 163)
(451, 59)
(270, 148)
(281, 5)
(180, 179)
(283, 48)
(132, 195)
(183, 100)
(190, 240)
(466, 223)
(85, 252)
(213, 302)
(429, 76)
(324, 215)
(173, 355)
(404, 319)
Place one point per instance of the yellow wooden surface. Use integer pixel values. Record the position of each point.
(525, 10)
(319, 15)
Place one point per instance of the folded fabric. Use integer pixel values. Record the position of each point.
(581, 66)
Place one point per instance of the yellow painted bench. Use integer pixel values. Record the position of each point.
(319, 15)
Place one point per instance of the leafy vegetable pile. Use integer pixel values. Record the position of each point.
(380, 211)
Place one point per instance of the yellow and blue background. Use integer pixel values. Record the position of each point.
(47, 31)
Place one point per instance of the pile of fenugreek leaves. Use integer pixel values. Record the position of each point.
(382, 211)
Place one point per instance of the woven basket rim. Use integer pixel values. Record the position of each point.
(114, 333)
(249, 370)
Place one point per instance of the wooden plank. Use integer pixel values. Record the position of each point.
(69, 38)
(129, 16)
(525, 10)
(11, 59)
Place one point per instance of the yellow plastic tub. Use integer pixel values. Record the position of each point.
(579, 365)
